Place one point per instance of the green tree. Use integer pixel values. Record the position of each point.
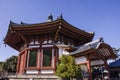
(2, 66)
(67, 67)
(11, 64)
(2, 70)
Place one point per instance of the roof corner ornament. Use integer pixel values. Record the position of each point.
(5, 45)
(101, 39)
(21, 22)
(61, 17)
(93, 32)
(11, 22)
(50, 18)
(4, 41)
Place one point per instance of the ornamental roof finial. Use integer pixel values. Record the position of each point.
(50, 18)
(61, 17)
(101, 39)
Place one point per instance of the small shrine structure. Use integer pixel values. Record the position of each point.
(40, 46)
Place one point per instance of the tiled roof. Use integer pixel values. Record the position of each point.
(98, 46)
(115, 64)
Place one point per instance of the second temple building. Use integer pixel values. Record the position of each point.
(41, 45)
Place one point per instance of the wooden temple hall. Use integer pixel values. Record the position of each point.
(40, 46)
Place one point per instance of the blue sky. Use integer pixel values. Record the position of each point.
(101, 16)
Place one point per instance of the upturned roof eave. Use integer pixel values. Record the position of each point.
(55, 22)
(59, 22)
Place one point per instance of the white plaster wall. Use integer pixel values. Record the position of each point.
(65, 52)
(34, 46)
(80, 59)
(50, 41)
(47, 45)
(47, 71)
(97, 62)
(32, 72)
(32, 42)
(45, 42)
(36, 42)
(62, 51)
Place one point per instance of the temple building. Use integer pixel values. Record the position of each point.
(40, 46)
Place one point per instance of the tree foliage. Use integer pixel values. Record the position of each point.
(67, 67)
(9, 65)
(2, 65)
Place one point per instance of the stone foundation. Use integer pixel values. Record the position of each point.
(32, 77)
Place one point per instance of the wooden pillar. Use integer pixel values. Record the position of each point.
(40, 56)
(23, 62)
(25, 59)
(39, 60)
(89, 69)
(21, 65)
(106, 65)
(55, 58)
(18, 63)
